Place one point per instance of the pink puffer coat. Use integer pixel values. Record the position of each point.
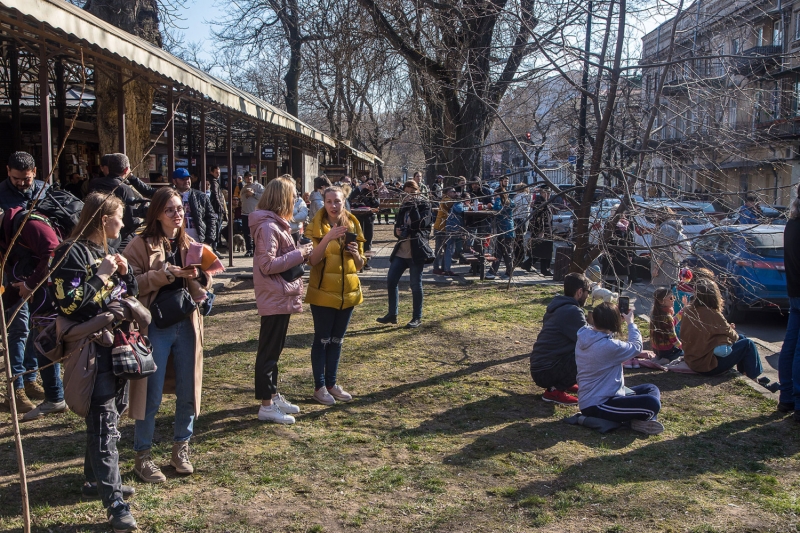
(274, 253)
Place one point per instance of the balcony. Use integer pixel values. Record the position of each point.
(757, 61)
(780, 129)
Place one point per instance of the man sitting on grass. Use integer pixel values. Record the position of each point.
(553, 356)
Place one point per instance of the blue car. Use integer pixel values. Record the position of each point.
(748, 263)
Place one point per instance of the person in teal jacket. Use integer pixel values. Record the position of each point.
(504, 227)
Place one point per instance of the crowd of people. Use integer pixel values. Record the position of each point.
(149, 266)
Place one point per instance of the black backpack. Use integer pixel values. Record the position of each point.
(61, 208)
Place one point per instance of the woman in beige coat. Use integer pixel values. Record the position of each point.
(157, 258)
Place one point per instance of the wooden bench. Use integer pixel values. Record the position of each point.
(389, 203)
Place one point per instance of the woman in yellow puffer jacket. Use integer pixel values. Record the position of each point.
(333, 289)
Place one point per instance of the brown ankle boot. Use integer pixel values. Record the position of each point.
(146, 469)
(24, 405)
(34, 391)
(180, 458)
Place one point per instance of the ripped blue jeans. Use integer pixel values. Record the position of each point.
(330, 325)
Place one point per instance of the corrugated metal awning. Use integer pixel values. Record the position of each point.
(62, 17)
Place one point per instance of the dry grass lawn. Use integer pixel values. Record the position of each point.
(447, 433)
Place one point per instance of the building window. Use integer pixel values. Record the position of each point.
(777, 33)
(760, 36)
(797, 26)
(776, 102)
(732, 113)
(734, 46)
(796, 98)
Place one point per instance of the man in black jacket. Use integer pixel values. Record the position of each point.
(117, 167)
(364, 196)
(217, 202)
(201, 220)
(553, 356)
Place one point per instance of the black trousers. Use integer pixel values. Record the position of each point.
(109, 399)
(271, 339)
(368, 227)
(561, 376)
(248, 240)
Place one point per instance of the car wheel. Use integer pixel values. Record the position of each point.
(730, 311)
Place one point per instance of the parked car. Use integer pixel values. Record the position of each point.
(695, 219)
(748, 262)
(562, 223)
(772, 214)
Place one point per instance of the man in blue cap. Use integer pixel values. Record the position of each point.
(201, 220)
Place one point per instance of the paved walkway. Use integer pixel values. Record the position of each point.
(382, 245)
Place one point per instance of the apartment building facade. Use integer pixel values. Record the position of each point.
(724, 94)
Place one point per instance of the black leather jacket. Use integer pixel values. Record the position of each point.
(413, 221)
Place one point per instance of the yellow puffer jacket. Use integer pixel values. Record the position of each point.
(442, 214)
(334, 280)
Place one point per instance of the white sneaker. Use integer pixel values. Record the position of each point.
(648, 427)
(273, 413)
(340, 394)
(323, 396)
(284, 405)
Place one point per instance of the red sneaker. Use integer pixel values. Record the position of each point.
(573, 389)
(559, 396)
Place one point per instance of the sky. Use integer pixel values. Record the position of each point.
(200, 11)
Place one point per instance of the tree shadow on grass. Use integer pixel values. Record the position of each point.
(391, 392)
(479, 415)
(738, 445)
(238, 307)
(226, 348)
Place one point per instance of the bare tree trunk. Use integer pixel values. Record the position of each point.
(140, 18)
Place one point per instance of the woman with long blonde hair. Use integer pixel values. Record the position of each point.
(278, 284)
(87, 276)
(333, 290)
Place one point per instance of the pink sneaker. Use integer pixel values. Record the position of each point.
(631, 363)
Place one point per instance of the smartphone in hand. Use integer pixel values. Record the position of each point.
(624, 305)
(349, 237)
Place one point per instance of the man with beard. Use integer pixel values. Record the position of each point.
(553, 357)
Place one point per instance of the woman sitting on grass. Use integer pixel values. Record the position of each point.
(704, 329)
(663, 338)
(599, 359)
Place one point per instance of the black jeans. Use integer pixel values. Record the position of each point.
(502, 250)
(248, 240)
(271, 339)
(368, 227)
(561, 376)
(109, 399)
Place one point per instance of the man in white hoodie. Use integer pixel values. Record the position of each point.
(599, 358)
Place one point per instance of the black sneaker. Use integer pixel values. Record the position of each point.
(90, 490)
(388, 319)
(366, 267)
(120, 517)
(785, 407)
(415, 323)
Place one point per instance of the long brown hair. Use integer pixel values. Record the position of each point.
(153, 232)
(706, 294)
(95, 206)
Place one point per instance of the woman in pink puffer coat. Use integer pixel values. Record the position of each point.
(278, 283)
